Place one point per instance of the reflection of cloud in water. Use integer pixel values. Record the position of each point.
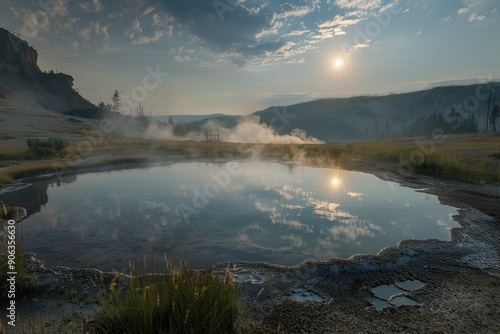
(295, 239)
(290, 192)
(350, 233)
(295, 224)
(354, 194)
(322, 205)
(292, 206)
(276, 217)
(448, 225)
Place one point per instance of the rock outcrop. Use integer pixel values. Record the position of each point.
(23, 80)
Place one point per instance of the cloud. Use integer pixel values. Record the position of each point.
(39, 20)
(223, 29)
(329, 29)
(106, 49)
(362, 4)
(54, 7)
(446, 19)
(361, 46)
(66, 26)
(296, 61)
(339, 20)
(75, 46)
(133, 28)
(464, 10)
(85, 33)
(183, 58)
(93, 6)
(476, 17)
(148, 39)
(288, 10)
(297, 32)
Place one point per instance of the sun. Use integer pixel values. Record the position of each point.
(335, 182)
(339, 63)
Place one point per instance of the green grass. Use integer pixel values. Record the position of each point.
(178, 300)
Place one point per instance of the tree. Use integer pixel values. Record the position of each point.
(495, 113)
(116, 101)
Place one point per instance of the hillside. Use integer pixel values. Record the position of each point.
(21, 79)
(368, 117)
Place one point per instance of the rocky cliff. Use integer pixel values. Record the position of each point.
(23, 80)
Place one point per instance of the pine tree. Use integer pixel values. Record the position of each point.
(495, 113)
(116, 101)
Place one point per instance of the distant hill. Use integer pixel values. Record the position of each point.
(377, 117)
(368, 117)
(179, 119)
(22, 80)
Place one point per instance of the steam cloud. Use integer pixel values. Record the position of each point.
(248, 130)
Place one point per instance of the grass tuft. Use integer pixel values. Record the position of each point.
(178, 300)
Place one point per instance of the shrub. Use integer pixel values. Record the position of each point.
(495, 155)
(49, 147)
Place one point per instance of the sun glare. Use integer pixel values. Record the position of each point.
(335, 182)
(339, 62)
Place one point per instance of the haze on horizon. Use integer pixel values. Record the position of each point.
(240, 56)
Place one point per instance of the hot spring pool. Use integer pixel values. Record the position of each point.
(218, 212)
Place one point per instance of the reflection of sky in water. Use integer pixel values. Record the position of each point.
(267, 212)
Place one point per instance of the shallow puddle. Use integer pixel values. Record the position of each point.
(386, 291)
(301, 295)
(390, 295)
(247, 276)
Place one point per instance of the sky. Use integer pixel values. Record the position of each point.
(241, 56)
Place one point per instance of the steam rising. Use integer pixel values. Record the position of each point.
(248, 130)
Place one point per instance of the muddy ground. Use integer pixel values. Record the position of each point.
(461, 292)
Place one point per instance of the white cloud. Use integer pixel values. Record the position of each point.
(106, 49)
(148, 11)
(75, 46)
(145, 39)
(296, 61)
(290, 10)
(363, 4)
(339, 21)
(101, 30)
(135, 27)
(297, 32)
(476, 17)
(54, 7)
(464, 10)
(94, 6)
(446, 19)
(85, 33)
(361, 46)
(334, 27)
(39, 20)
(180, 58)
(271, 31)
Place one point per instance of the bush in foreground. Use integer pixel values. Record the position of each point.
(177, 301)
(48, 147)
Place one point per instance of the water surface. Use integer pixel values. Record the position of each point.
(220, 212)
